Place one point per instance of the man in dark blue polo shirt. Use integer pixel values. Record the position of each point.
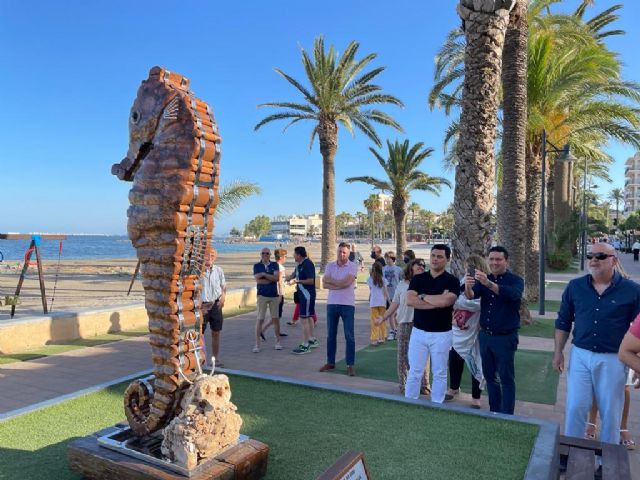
(500, 293)
(601, 306)
(267, 275)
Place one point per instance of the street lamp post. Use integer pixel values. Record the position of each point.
(584, 223)
(564, 155)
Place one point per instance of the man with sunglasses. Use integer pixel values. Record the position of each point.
(600, 305)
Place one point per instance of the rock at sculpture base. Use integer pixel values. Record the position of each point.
(245, 461)
(207, 424)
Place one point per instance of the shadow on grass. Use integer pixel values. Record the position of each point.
(50, 464)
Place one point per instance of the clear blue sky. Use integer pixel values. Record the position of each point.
(71, 71)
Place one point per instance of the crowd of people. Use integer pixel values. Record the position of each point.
(442, 323)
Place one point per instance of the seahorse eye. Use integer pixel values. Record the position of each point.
(135, 116)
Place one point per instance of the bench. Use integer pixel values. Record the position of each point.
(579, 456)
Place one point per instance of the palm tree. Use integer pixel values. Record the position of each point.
(485, 32)
(574, 92)
(513, 194)
(340, 94)
(414, 210)
(617, 196)
(401, 168)
(231, 194)
(372, 204)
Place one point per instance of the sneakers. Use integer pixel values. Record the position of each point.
(392, 335)
(278, 346)
(283, 334)
(302, 349)
(256, 349)
(314, 343)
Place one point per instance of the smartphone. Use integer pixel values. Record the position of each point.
(471, 271)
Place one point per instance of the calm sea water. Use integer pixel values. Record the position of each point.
(78, 247)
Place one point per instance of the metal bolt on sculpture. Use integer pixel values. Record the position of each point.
(173, 162)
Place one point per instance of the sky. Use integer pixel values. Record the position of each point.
(71, 70)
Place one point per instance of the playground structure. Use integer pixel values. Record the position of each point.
(34, 247)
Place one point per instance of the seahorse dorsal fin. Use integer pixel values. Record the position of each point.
(172, 78)
(171, 110)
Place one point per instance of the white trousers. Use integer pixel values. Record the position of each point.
(423, 345)
(602, 375)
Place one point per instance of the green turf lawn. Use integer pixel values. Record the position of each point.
(542, 327)
(69, 345)
(555, 284)
(536, 381)
(66, 346)
(549, 305)
(306, 430)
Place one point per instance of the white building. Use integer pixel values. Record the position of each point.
(632, 184)
(296, 225)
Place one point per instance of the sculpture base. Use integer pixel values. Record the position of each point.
(140, 459)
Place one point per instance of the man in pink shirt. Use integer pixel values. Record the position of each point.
(339, 278)
(630, 348)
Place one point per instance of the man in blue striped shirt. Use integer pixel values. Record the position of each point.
(600, 306)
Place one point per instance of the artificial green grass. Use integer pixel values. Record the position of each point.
(69, 345)
(306, 429)
(536, 381)
(555, 284)
(549, 305)
(542, 327)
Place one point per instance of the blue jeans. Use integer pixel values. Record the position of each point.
(498, 357)
(334, 313)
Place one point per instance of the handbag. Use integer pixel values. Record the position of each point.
(296, 297)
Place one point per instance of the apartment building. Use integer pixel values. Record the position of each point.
(632, 184)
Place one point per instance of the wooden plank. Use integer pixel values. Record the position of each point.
(22, 274)
(615, 462)
(133, 278)
(43, 295)
(245, 461)
(581, 443)
(581, 464)
(27, 236)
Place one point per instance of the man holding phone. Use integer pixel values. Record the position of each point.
(500, 293)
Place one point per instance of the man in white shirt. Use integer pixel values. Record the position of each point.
(214, 291)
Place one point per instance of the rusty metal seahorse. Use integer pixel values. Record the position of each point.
(173, 161)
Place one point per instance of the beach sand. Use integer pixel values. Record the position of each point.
(99, 283)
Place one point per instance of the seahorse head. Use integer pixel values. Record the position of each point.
(145, 117)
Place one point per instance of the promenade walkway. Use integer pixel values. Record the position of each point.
(31, 384)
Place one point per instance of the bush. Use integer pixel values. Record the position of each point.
(560, 260)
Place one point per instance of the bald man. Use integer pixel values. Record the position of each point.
(600, 306)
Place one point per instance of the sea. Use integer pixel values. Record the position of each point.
(83, 247)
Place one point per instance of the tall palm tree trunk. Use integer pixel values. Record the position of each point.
(532, 244)
(328, 137)
(399, 207)
(512, 214)
(484, 31)
(512, 220)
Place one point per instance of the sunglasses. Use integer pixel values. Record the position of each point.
(599, 256)
(266, 253)
(421, 264)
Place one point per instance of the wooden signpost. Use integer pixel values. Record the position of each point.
(350, 466)
(34, 246)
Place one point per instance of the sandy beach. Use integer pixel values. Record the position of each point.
(99, 283)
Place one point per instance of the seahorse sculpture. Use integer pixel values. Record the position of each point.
(173, 161)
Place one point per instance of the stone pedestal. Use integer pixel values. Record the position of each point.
(244, 461)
